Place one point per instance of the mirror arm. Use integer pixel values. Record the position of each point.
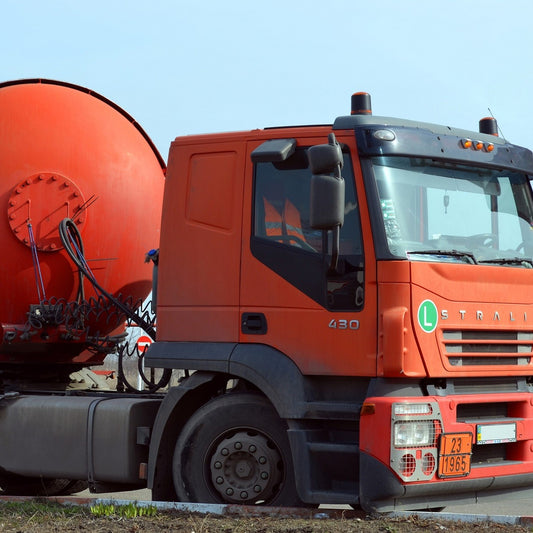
(335, 245)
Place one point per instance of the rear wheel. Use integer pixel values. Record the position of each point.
(234, 450)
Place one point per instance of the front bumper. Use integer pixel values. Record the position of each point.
(401, 474)
(381, 491)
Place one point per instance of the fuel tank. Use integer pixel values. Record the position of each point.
(68, 152)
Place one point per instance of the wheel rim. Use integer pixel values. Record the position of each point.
(246, 467)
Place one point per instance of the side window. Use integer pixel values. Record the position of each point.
(282, 204)
(284, 240)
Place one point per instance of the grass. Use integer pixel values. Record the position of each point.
(45, 510)
(131, 510)
(34, 515)
(41, 516)
(40, 510)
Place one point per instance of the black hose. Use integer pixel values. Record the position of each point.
(64, 233)
(69, 234)
(67, 231)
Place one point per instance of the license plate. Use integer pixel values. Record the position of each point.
(455, 452)
(495, 433)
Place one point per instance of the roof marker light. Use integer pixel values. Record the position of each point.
(384, 135)
(477, 145)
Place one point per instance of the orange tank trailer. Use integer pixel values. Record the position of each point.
(67, 152)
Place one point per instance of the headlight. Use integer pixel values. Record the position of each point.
(413, 434)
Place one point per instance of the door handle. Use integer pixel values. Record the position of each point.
(254, 323)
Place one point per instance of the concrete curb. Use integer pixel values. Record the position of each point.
(243, 511)
(464, 517)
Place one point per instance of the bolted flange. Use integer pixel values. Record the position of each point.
(44, 199)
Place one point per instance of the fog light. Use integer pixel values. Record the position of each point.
(408, 465)
(428, 464)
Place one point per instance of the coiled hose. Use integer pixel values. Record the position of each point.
(73, 244)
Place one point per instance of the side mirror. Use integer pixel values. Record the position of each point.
(325, 158)
(274, 150)
(327, 191)
(327, 202)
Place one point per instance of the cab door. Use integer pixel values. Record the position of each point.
(291, 299)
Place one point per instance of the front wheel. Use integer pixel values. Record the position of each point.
(235, 450)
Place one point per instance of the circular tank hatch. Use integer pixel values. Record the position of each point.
(43, 200)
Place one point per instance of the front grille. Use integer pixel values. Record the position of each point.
(487, 454)
(488, 347)
(487, 413)
(482, 411)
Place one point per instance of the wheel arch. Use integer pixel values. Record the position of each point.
(262, 367)
(265, 367)
(273, 374)
(177, 407)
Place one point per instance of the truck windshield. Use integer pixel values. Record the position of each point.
(441, 211)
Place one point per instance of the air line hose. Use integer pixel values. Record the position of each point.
(73, 244)
(71, 239)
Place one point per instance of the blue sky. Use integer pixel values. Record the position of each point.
(182, 67)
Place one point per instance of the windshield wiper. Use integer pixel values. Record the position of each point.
(524, 261)
(468, 256)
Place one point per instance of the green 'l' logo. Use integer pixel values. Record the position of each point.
(428, 316)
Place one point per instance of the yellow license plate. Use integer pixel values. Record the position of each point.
(455, 452)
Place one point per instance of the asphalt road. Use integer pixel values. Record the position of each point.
(514, 504)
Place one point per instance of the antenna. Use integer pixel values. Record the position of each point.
(499, 129)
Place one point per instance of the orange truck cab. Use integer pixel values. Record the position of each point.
(356, 303)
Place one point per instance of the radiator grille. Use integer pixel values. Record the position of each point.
(488, 347)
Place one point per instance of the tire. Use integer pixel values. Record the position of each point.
(235, 450)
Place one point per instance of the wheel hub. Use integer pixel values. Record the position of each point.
(245, 467)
